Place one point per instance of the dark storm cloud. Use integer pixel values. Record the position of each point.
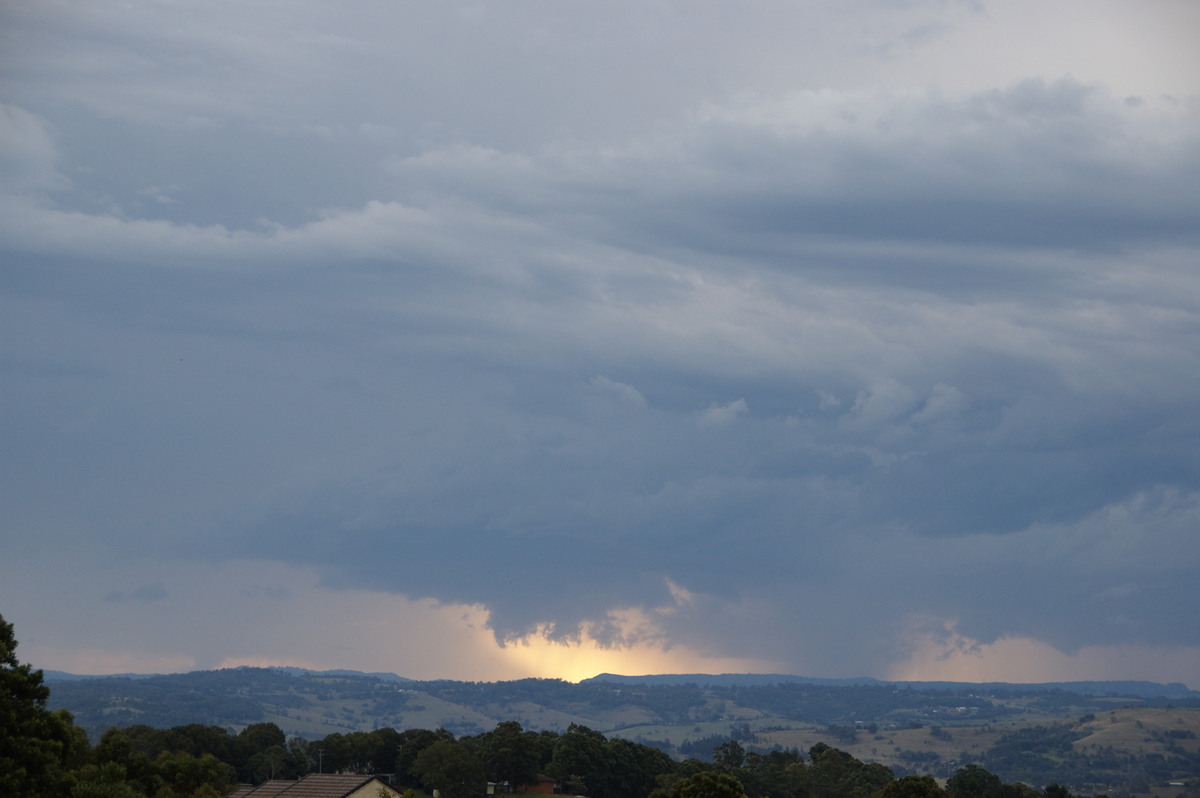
(753, 357)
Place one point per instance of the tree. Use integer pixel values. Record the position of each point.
(117, 747)
(836, 774)
(913, 787)
(358, 752)
(259, 736)
(412, 743)
(185, 774)
(197, 739)
(449, 768)
(270, 763)
(632, 768)
(579, 759)
(385, 746)
(708, 784)
(973, 781)
(36, 745)
(252, 741)
(105, 781)
(510, 754)
(778, 774)
(729, 755)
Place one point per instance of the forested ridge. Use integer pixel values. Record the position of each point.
(45, 752)
(313, 703)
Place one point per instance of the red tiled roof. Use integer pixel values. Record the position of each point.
(314, 785)
(265, 790)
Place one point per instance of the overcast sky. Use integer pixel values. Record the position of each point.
(484, 340)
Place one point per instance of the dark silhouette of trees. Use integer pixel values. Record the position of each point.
(579, 761)
(913, 787)
(510, 754)
(451, 769)
(973, 781)
(706, 784)
(37, 746)
(411, 744)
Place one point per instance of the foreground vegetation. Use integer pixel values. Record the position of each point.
(43, 752)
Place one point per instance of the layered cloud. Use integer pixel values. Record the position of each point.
(794, 356)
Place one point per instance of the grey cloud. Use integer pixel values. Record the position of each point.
(143, 594)
(598, 71)
(791, 349)
(29, 158)
(1123, 591)
(1059, 165)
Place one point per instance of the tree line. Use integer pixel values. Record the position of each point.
(43, 753)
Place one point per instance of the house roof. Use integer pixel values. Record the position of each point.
(314, 785)
(264, 790)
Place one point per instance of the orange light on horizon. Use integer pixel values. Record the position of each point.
(947, 655)
(541, 656)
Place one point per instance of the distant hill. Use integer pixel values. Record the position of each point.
(313, 704)
(1117, 688)
(1102, 688)
(730, 679)
(1106, 733)
(63, 676)
(383, 675)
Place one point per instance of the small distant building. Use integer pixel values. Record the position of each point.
(320, 785)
